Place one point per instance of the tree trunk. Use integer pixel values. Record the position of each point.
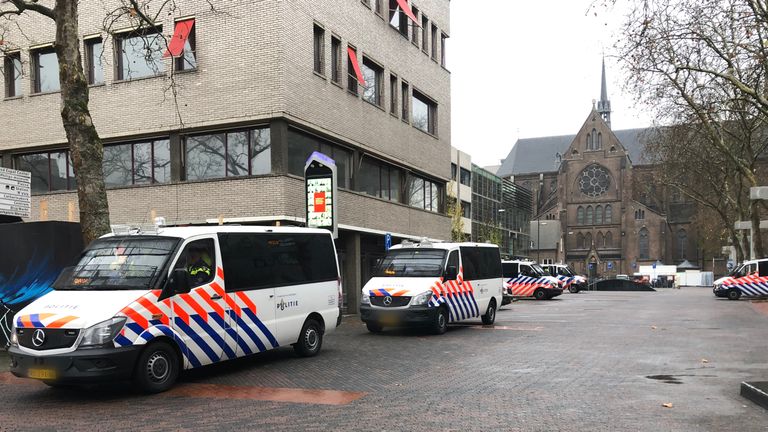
(84, 143)
(757, 239)
(736, 245)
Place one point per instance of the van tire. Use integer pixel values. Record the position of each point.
(157, 368)
(540, 294)
(440, 324)
(490, 315)
(573, 289)
(310, 339)
(373, 327)
(734, 294)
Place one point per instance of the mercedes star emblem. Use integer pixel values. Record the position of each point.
(38, 338)
(387, 301)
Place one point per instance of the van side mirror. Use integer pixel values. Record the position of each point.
(179, 282)
(451, 273)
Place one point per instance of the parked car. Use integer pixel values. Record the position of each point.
(528, 279)
(433, 284)
(568, 279)
(749, 279)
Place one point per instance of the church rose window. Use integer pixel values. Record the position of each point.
(594, 181)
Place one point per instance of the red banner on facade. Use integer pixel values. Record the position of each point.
(179, 39)
(355, 65)
(407, 9)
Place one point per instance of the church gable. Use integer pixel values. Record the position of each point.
(595, 140)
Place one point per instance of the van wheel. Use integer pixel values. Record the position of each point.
(157, 368)
(539, 294)
(373, 327)
(573, 289)
(440, 324)
(310, 340)
(490, 315)
(734, 294)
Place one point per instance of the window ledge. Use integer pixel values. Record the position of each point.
(425, 132)
(139, 79)
(13, 98)
(373, 104)
(101, 84)
(351, 93)
(394, 116)
(337, 84)
(185, 71)
(319, 75)
(44, 93)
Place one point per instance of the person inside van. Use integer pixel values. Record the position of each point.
(199, 268)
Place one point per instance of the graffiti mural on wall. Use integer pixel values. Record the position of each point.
(31, 257)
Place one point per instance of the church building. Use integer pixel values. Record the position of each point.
(596, 206)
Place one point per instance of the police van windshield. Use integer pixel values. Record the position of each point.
(566, 271)
(540, 271)
(118, 263)
(412, 263)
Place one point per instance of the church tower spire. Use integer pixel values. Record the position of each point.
(604, 105)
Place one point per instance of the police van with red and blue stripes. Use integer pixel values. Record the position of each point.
(145, 305)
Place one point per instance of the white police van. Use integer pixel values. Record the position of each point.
(568, 278)
(144, 306)
(433, 284)
(749, 279)
(527, 279)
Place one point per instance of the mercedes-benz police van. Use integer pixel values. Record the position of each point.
(146, 306)
(528, 279)
(433, 284)
(568, 279)
(750, 279)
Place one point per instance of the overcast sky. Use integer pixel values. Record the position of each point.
(528, 69)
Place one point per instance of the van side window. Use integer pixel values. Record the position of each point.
(199, 260)
(257, 261)
(481, 262)
(511, 270)
(762, 268)
(453, 260)
(526, 270)
(470, 262)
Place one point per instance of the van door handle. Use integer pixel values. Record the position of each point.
(215, 297)
(271, 296)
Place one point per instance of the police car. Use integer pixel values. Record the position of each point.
(568, 279)
(749, 279)
(528, 279)
(146, 305)
(432, 284)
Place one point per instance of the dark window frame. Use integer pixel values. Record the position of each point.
(179, 63)
(432, 122)
(119, 39)
(336, 57)
(153, 161)
(434, 42)
(318, 49)
(394, 89)
(405, 92)
(353, 85)
(424, 34)
(443, 40)
(71, 181)
(415, 30)
(249, 143)
(378, 70)
(34, 56)
(90, 67)
(9, 68)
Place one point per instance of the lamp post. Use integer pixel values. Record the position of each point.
(501, 226)
(539, 223)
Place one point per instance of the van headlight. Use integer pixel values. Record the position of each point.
(14, 337)
(103, 332)
(365, 299)
(421, 299)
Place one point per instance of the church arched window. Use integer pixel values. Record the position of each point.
(600, 240)
(643, 244)
(580, 241)
(589, 141)
(608, 214)
(682, 242)
(588, 240)
(590, 218)
(608, 240)
(599, 215)
(580, 216)
(599, 140)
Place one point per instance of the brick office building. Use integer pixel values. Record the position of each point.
(259, 86)
(595, 203)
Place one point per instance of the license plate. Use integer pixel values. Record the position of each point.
(388, 320)
(43, 374)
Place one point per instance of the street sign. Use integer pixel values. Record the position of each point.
(15, 193)
(387, 241)
(634, 265)
(654, 266)
(321, 192)
(730, 265)
(610, 265)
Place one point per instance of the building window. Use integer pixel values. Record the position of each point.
(45, 70)
(415, 30)
(639, 214)
(466, 177)
(379, 7)
(580, 241)
(352, 82)
(682, 243)
(393, 89)
(139, 54)
(335, 59)
(466, 210)
(13, 74)
(424, 34)
(580, 216)
(589, 220)
(454, 171)
(643, 244)
(397, 18)
(379, 179)
(372, 74)
(188, 59)
(434, 42)
(319, 49)
(599, 140)
(600, 240)
(599, 215)
(588, 241)
(229, 154)
(608, 214)
(406, 96)
(51, 171)
(423, 194)
(300, 147)
(424, 113)
(608, 240)
(137, 163)
(443, 48)
(94, 50)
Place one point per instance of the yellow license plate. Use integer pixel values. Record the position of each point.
(43, 374)
(388, 320)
